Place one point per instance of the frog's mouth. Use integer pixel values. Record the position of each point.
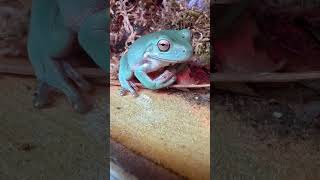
(170, 61)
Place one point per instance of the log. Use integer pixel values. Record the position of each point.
(26, 69)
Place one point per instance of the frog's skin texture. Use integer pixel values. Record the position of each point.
(150, 53)
(55, 25)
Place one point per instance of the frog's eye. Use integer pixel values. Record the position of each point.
(164, 45)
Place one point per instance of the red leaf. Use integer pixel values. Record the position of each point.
(184, 77)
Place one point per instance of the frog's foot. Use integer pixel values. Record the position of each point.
(165, 83)
(79, 104)
(77, 78)
(132, 88)
(164, 80)
(56, 77)
(164, 77)
(41, 96)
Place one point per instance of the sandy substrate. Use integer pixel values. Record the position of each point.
(165, 128)
(54, 143)
(58, 143)
(252, 142)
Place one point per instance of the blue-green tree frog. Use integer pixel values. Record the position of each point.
(150, 53)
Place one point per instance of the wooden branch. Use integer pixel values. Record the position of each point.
(264, 77)
(28, 71)
(95, 73)
(189, 86)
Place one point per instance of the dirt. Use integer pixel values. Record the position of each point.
(53, 143)
(275, 136)
(14, 18)
(197, 97)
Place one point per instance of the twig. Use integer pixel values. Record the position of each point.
(28, 71)
(264, 77)
(191, 86)
(95, 73)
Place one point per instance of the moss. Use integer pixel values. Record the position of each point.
(131, 19)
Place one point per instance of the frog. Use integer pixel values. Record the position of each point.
(150, 53)
(55, 27)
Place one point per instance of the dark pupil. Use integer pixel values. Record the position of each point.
(163, 44)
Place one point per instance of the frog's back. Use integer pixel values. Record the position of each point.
(139, 47)
(74, 12)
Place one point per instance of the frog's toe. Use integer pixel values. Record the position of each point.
(164, 77)
(80, 105)
(168, 74)
(41, 96)
(78, 79)
(40, 101)
(133, 86)
(128, 87)
(169, 82)
(85, 87)
(135, 94)
(123, 92)
(81, 108)
(172, 79)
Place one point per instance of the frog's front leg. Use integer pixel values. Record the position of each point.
(164, 80)
(125, 74)
(48, 41)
